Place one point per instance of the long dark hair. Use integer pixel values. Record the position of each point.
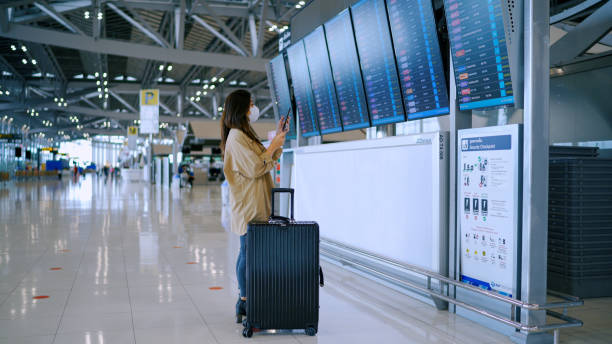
(235, 111)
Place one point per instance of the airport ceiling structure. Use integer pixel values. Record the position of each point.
(70, 68)
(75, 67)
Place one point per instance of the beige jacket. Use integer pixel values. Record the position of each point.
(247, 170)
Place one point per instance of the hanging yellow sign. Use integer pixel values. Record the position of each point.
(132, 131)
(149, 97)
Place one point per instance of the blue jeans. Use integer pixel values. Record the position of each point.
(241, 266)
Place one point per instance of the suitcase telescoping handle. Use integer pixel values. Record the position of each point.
(282, 218)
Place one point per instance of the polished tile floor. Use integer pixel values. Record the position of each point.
(120, 263)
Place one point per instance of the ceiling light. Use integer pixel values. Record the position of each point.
(13, 47)
(23, 47)
(213, 79)
(270, 29)
(99, 89)
(197, 99)
(221, 79)
(104, 75)
(100, 95)
(220, 108)
(105, 82)
(97, 74)
(161, 67)
(205, 93)
(298, 6)
(24, 61)
(192, 98)
(106, 95)
(198, 93)
(55, 99)
(7, 92)
(98, 82)
(86, 14)
(100, 15)
(205, 87)
(285, 27)
(106, 89)
(212, 87)
(169, 67)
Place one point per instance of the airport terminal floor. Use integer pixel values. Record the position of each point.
(88, 262)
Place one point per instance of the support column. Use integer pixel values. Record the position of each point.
(535, 165)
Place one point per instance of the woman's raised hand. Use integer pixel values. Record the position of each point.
(279, 126)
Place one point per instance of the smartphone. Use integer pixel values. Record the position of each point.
(286, 120)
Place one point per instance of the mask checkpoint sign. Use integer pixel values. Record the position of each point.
(488, 204)
(149, 111)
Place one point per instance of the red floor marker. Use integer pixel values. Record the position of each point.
(55, 269)
(40, 297)
(215, 288)
(177, 246)
(192, 263)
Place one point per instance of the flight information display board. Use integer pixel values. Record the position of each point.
(322, 81)
(346, 72)
(418, 58)
(480, 55)
(302, 90)
(377, 62)
(281, 93)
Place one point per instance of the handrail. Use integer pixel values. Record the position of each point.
(571, 301)
(435, 275)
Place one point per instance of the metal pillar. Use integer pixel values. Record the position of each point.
(458, 120)
(535, 165)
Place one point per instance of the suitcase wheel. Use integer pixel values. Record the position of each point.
(247, 332)
(311, 331)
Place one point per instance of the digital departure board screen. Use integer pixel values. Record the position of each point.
(302, 90)
(377, 62)
(282, 96)
(323, 87)
(419, 62)
(480, 55)
(346, 72)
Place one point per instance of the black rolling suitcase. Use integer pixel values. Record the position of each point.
(282, 274)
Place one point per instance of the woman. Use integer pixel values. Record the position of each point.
(247, 164)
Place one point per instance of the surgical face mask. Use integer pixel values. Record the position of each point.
(253, 113)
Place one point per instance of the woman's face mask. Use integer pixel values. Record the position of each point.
(253, 113)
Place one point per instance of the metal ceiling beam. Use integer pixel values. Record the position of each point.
(222, 25)
(253, 32)
(572, 11)
(262, 27)
(123, 101)
(135, 50)
(59, 8)
(121, 116)
(199, 107)
(219, 35)
(140, 24)
(38, 103)
(167, 109)
(584, 36)
(10, 68)
(58, 17)
(179, 25)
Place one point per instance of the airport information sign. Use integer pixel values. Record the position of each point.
(479, 53)
(488, 175)
(377, 62)
(302, 90)
(346, 72)
(280, 90)
(323, 87)
(419, 61)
